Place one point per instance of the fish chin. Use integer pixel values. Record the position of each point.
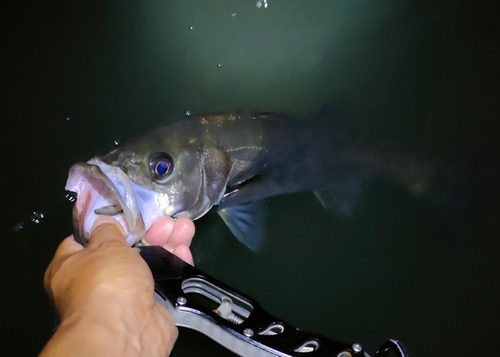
(104, 188)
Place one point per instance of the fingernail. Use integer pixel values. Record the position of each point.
(106, 220)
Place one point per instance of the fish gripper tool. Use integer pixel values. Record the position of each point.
(235, 320)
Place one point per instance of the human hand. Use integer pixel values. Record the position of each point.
(105, 293)
(174, 235)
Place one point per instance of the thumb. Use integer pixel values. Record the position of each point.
(106, 229)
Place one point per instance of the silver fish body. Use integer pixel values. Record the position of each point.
(228, 161)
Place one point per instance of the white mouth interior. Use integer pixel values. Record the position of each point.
(105, 189)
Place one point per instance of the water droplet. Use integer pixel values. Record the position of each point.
(261, 3)
(70, 196)
(188, 113)
(191, 27)
(37, 216)
(219, 65)
(116, 142)
(19, 227)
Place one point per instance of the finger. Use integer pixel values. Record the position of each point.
(160, 231)
(171, 333)
(183, 252)
(67, 248)
(182, 233)
(106, 229)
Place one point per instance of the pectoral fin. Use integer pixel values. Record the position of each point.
(246, 222)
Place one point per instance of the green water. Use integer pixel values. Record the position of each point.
(412, 76)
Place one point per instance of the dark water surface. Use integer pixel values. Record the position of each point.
(418, 77)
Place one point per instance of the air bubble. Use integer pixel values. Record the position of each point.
(19, 227)
(191, 27)
(219, 65)
(116, 142)
(262, 3)
(68, 118)
(37, 216)
(70, 196)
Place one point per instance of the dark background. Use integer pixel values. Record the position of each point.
(416, 77)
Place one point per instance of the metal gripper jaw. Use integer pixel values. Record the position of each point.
(235, 320)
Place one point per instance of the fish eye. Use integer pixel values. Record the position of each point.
(161, 166)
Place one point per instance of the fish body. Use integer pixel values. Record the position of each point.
(226, 162)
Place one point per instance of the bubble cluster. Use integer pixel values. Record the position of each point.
(37, 217)
(70, 196)
(187, 112)
(262, 3)
(34, 218)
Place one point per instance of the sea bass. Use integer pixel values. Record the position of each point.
(227, 162)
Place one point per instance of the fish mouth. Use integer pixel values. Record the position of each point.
(104, 189)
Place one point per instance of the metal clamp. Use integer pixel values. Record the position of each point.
(235, 320)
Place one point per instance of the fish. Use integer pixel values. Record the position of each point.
(230, 163)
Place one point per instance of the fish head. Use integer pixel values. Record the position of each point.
(160, 174)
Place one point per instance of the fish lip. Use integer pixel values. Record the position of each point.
(111, 176)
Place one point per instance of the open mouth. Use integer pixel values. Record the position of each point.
(103, 190)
